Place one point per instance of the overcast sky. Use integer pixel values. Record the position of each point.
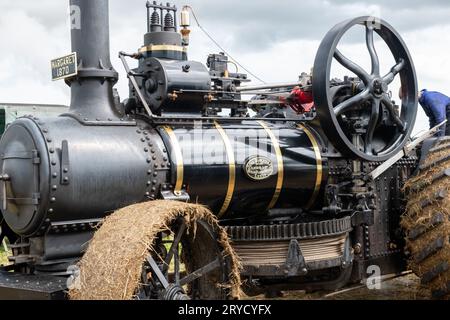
(276, 40)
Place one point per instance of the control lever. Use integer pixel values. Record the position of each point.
(133, 81)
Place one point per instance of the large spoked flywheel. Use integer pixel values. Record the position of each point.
(361, 120)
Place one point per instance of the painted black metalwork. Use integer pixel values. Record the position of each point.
(291, 187)
(247, 139)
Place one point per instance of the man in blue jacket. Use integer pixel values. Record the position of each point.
(437, 107)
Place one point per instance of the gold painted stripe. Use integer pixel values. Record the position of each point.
(280, 166)
(178, 160)
(163, 47)
(319, 168)
(231, 169)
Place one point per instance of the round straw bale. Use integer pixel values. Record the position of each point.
(112, 265)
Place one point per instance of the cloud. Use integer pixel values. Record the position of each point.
(265, 23)
(49, 13)
(276, 40)
(25, 58)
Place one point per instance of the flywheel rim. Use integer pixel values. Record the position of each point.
(324, 100)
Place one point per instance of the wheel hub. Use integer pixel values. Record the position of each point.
(175, 292)
(378, 87)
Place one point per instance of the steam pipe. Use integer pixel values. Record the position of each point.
(268, 86)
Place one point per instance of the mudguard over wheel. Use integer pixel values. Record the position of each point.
(159, 250)
(427, 221)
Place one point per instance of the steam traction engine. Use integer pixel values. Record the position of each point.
(289, 174)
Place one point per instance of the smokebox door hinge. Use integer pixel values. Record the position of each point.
(35, 157)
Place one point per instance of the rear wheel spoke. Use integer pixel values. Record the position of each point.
(174, 246)
(176, 258)
(157, 272)
(200, 272)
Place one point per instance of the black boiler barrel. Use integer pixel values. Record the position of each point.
(64, 173)
(246, 168)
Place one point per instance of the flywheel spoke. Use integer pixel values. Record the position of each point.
(388, 78)
(349, 103)
(352, 66)
(372, 125)
(373, 53)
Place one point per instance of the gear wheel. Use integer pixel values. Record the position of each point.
(427, 221)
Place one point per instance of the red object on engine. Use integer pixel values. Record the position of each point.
(300, 101)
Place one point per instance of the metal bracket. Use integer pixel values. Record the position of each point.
(107, 123)
(65, 165)
(365, 217)
(295, 262)
(347, 257)
(332, 196)
(179, 196)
